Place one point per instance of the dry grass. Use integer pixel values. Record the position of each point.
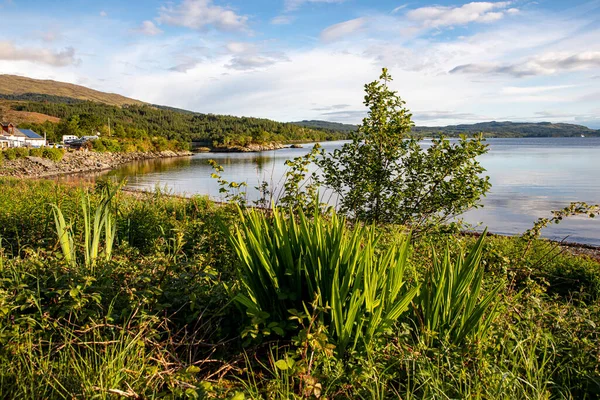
(12, 84)
(18, 117)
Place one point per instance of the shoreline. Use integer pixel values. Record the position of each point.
(78, 162)
(580, 249)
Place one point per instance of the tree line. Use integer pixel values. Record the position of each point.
(140, 121)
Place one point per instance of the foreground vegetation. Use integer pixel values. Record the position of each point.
(22, 152)
(172, 310)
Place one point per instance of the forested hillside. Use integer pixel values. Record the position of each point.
(137, 121)
(39, 104)
(510, 129)
(489, 129)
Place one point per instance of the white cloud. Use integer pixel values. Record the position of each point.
(546, 64)
(149, 28)
(436, 115)
(402, 7)
(253, 61)
(250, 56)
(521, 90)
(282, 20)
(8, 51)
(240, 47)
(103, 14)
(199, 14)
(291, 5)
(341, 30)
(439, 16)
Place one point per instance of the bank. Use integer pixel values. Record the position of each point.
(78, 162)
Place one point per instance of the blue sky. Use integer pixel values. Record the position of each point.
(452, 61)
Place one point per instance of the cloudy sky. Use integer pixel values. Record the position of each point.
(452, 61)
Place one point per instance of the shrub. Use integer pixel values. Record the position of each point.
(287, 263)
(160, 143)
(10, 154)
(53, 154)
(36, 152)
(21, 152)
(98, 145)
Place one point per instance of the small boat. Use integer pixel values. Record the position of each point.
(582, 135)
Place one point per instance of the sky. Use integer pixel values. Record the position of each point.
(452, 61)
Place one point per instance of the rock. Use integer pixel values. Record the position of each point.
(44, 162)
(251, 148)
(296, 146)
(77, 162)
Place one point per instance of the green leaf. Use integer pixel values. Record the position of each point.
(282, 365)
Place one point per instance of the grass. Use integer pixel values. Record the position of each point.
(12, 84)
(158, 319)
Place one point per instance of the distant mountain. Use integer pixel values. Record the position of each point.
(327, 126)
(489, 129)
(20, 88)
(510, 129)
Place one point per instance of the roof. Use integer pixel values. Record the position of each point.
(30, 134)
(7, 124)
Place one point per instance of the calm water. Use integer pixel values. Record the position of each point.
(529, 178)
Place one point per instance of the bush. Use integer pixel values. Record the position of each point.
(160, 143)
(36, 152)
(21, 152)
(109, 145)
(53, 154)
(10, 154)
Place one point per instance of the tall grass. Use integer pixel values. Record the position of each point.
(102, 221)
(449, 306)
(288, 261)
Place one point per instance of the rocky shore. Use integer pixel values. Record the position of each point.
(250, 148)
(77, 162)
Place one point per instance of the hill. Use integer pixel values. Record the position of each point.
(327, 126)
(59, 109)
(489, 129)
(14, 87)
(510, 129)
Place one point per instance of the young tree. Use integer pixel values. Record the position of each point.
(385, 175)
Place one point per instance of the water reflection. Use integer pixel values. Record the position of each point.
(529, 178)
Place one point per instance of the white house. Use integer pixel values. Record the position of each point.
(33, 139)
(10, 136)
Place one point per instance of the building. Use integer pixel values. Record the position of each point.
(10, 136)
(33, 139)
